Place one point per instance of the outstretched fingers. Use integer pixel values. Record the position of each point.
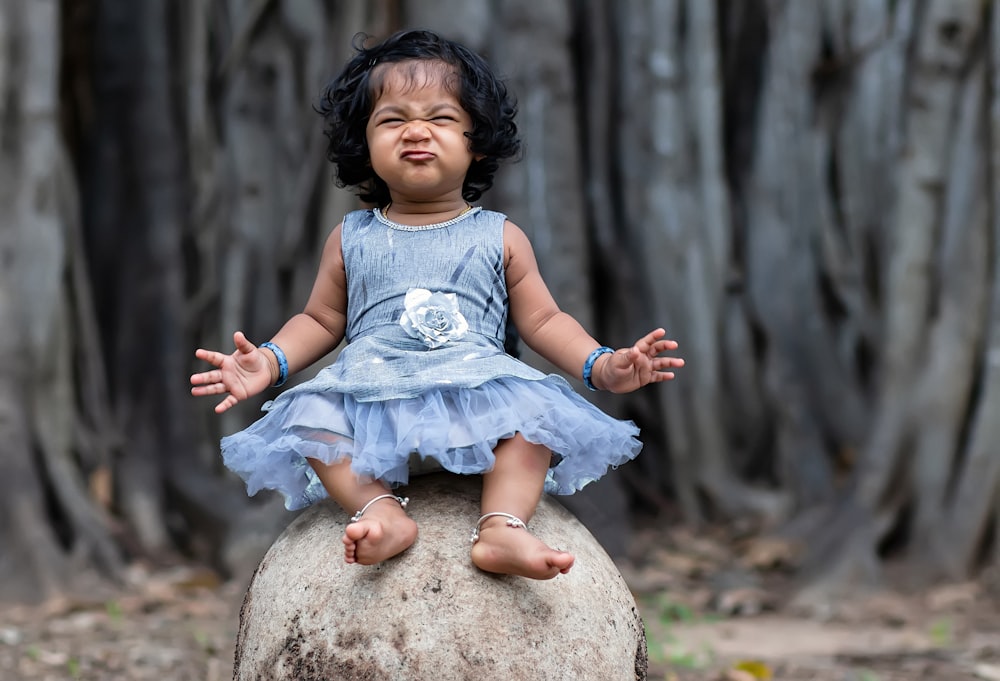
(661, 346)
(223, 378)
(211, 383)
(649, 341)
(645, 355)
(663, 366)
(208, 382)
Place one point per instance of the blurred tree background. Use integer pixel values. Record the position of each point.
(805, 194)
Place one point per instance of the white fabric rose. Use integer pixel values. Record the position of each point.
(433, 318)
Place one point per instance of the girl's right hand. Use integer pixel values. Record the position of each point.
(240, 375)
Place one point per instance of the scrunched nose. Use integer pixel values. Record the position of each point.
(416, 130)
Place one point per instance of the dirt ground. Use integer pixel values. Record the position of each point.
(719, 609)
(713, 612)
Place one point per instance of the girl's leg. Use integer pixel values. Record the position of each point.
(515, 486)
(383, 531)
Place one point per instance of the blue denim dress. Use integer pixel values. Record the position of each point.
(424, 374)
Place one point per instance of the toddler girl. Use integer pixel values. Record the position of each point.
(421, 287)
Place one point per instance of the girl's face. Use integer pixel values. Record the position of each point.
(416, 132)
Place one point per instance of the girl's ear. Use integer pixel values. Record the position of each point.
(478, 157)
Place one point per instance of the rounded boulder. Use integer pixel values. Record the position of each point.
(429, 613)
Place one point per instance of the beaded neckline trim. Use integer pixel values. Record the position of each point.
(423, 228)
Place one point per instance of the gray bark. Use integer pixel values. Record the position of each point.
(931, 332)
(38, 419)
(671, 174)
(974, 507)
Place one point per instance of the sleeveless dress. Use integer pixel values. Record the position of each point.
(424, 374)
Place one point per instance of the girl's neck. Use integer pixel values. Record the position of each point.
(424, 214)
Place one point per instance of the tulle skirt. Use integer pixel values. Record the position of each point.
(457, 428)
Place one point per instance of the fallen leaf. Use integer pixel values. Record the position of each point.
(757, 669)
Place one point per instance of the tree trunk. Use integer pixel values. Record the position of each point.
(972, 514)
(52, 531)
(933, 308)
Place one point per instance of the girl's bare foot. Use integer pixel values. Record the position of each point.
(514, 551)
(383, 532)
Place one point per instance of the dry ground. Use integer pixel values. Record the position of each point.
(713, 611)
(719, 609)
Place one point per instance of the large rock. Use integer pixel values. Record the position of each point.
(429, 613)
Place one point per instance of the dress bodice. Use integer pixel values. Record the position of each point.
(462, 257)
(454, 339)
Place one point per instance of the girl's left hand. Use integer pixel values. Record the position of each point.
(630, 368)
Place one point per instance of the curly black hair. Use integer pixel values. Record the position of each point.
(346, 104)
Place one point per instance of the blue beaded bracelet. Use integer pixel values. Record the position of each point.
(588, 366)
(282, 362)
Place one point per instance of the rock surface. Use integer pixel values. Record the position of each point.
(429, 613)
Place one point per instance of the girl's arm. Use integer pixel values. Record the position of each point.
(560, 339)
(303, 339)
(320, 327)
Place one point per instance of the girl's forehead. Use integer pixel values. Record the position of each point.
(404, 77)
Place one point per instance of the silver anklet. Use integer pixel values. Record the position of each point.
(403, 501)
(512, 521)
